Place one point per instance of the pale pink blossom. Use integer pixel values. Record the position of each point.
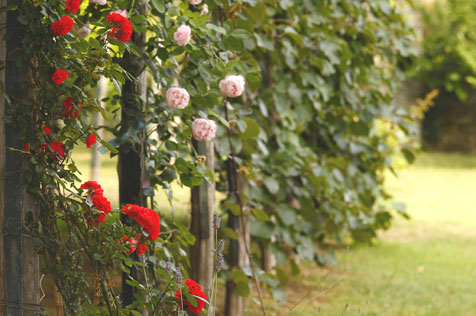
(177, 98)
(194, 2)
(204, 129)
(100, 2)
(232, 86)
(84, 31)
(124, 13)
(183, 34)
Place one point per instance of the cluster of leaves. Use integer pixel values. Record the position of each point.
(312, 146)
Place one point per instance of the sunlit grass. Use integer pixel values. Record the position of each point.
(422, 267)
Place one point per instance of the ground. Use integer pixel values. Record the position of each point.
(425, 266)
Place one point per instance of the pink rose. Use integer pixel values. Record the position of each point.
(204, 129)
(124, 13)
(182, 36)
(84, 31)
(100, 2)
(232, 86)
(177, 98)
(194, 2)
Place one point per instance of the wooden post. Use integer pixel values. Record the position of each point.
(19, 266)
(203, 205)
(131, 156)
(237, 256)
(3, 19)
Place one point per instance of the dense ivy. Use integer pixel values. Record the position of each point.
(311, 133)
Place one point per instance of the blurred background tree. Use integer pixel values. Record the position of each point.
(448, 64)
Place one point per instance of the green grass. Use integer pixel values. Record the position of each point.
(422, 267)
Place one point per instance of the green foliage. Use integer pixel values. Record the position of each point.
(328, 72)
(449, 58)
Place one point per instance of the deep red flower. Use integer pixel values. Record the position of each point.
(195, 290)
(131, 242)
(122, 29)
(63, 26)
(92, 185)
(141, 248)
(100, 218)
(101, 203)
(91, 140)
(47, 130)
(72, 6)
(57, 147)
(26, 147)
(147, 218)
(69, 109)
(59, 76)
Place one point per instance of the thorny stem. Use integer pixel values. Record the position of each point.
(242, 220)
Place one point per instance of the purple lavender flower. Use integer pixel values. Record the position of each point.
(220, 257)
(216, 221)
(168, 268)
(221, 246)
(178, 275)
(220, 261)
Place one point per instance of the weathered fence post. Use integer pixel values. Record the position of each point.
(2, 162)
(131, 156)
(203, 199)
(237, 256)
(19, 266)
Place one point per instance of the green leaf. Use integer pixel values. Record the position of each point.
(239, 276)
(409, 155)
(242, 289)
(271, 184)
(240, 33)
(252, 129)
(230, 233)
(159, 5)
(109, 147)
(287, 214)
(260, 215)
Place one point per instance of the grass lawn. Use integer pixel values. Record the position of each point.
(425, 266)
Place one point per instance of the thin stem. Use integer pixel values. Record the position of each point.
(242, 220)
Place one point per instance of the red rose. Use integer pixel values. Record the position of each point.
(147, 218)
(141, 248)
(91, 140)
(92, 185)
(72, 6)
(132, 243)
(59, 76)
(69, 108)
(63, 26)
(57, 147)
(195, 290)
(101, 203)
(26, 147)
(122, 29)
(47, 130)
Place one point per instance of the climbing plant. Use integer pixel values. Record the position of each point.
(293, 91)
